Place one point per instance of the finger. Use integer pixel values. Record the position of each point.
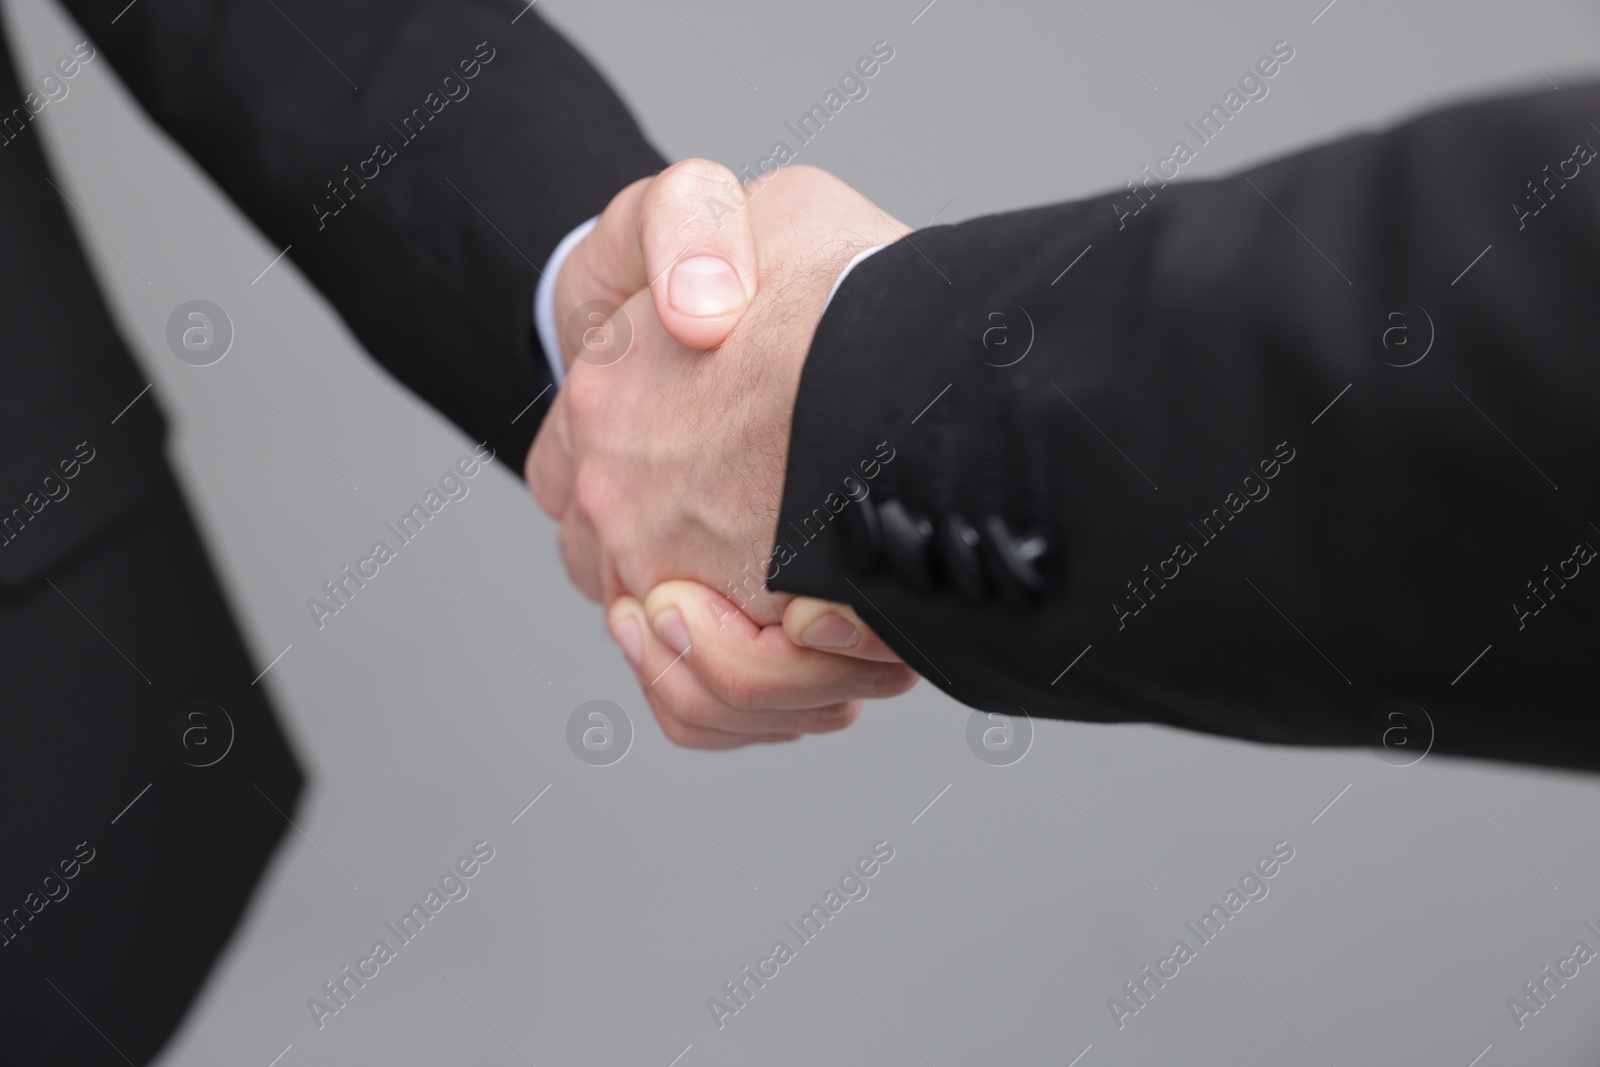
(758, 668)
(699, 251)
(606, 266)
(580, 551)
(676, 699)
(668, 676)
(830, 627)
(549, 470)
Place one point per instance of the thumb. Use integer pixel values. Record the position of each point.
(699, 251)
(831, 627)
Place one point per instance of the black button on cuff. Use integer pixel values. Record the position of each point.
(908, 542)
(1014, 562)
(960, 552)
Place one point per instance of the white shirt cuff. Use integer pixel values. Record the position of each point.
(848, 267)
(544, 300)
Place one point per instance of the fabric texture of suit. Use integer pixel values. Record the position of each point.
(1346, 516)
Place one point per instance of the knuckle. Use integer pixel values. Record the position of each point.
(591, 496)
(696, 715)
(679, 196)
(545, 470)
(687, 733)
(691, 175)
(577, 554)
(738, 687)
(544, 495)
(691, 713)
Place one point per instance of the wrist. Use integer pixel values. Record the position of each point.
(547, 298)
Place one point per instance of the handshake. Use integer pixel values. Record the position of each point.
(684, 320)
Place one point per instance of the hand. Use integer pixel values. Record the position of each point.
(697, 210)
(666, 464)
(740, 682)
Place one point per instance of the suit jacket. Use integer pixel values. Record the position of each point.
(422, 206)
(1283, 456)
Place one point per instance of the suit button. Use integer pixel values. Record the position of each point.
(861, 534)
(1014, 562)
(959, 551)
(908, 542)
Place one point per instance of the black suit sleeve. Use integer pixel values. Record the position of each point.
(421, 157)
(1293, 439)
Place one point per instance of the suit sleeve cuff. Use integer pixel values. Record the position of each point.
(850, 266)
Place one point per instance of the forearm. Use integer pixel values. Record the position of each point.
(422, 203)
(1196, 346)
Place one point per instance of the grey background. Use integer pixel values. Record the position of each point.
(1007, 918)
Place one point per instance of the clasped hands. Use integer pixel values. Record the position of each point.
(663, 456)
